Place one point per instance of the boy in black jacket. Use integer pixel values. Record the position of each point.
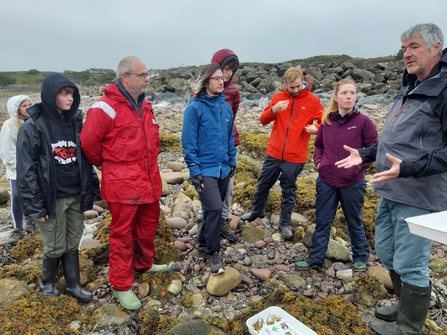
(55, 180)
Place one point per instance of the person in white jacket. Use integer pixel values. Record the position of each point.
(17, 106)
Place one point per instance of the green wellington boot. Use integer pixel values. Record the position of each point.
(159, 268)
(413, 309)
(128, 299)
(389, 313)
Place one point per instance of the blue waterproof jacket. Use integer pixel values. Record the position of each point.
(207, 137)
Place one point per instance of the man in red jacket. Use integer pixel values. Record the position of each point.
(292, 112)
(121, 136)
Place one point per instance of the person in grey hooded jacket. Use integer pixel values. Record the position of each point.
(411, 160)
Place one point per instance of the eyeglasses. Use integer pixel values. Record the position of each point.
(139, 75)
(223, 78)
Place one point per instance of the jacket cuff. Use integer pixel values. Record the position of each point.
(405, 170)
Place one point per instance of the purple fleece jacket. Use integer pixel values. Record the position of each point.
(355, 130)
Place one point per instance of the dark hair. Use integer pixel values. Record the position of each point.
(66, 90)
(232, 63)
(204, 77)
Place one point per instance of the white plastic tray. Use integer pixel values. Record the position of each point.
(432, 226)
(287, 325)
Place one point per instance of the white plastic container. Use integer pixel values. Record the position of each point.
(286, 325)
(432, 226)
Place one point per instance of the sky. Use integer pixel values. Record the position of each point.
(55, 35)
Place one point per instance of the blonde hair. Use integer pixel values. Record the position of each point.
(292, 74)
(19, 117)
(333, 105)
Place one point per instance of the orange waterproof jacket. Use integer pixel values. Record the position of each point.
(288, 139)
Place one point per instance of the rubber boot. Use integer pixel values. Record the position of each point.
(413, 309)
(389, 313)
(70, 264)
(49, 269)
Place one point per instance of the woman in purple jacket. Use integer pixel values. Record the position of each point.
(342, 124)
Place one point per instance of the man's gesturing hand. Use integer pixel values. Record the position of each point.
(353, 159)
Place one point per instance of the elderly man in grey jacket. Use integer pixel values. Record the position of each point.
(411, 157)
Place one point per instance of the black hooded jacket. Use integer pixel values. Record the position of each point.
(45, 170)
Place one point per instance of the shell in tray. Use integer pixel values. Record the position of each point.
(275, 320)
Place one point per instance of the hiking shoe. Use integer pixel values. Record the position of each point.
(225, 231)
(128, 299)
(32, 228)
(200, 215)
(359, 267)
(251, 216)
(303, 265)
(286, 232)
(16, 235)
(216, 265)
(201, 254)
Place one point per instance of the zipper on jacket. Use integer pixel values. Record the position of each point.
(148, 164)
(287, 130)
(219, 116)
(297, 112)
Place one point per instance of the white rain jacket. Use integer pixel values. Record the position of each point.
(8, 135)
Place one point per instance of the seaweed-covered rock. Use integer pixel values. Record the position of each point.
(12, 290)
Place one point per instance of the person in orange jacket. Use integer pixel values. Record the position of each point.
(293, 112)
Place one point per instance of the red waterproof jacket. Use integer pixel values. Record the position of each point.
(231, 92)
(125, 146)
(288, 139)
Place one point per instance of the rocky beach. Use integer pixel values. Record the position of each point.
(260, 269)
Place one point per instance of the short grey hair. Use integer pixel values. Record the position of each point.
(126, 66)
(430, 33)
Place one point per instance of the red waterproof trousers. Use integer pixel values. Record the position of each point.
(131, 241)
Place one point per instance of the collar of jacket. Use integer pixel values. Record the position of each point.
(135, 104)
(335, 116)
(432, 85)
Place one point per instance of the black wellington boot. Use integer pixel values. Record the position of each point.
(70, 264)
(389, 313)
(413, 309)
(49, 269)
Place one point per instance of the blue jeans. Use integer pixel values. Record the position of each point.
(351, 199)
(398, 249)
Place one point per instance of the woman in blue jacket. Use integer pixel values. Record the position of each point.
(342, 124)
(208, 145)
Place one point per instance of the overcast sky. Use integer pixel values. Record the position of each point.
(55, 35)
